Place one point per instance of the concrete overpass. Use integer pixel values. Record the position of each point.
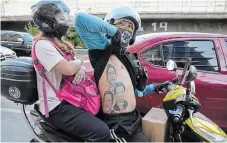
(156, 15)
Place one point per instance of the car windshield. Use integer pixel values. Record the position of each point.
(27, 37)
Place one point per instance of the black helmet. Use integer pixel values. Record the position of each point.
(51, 16)
(127, 13)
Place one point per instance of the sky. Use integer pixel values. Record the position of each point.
(22, 7)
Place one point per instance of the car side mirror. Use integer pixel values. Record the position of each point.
(171, 65)
(20, 40)
(192, 74)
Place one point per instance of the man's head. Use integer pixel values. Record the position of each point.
(128, 21)
(119, 90)
(111, 74)
(107, 101)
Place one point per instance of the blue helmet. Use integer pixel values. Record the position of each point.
(51, 16)
(125, 13)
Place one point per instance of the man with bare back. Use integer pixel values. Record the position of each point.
(118, 74)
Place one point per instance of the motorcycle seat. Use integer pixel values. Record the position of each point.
(48, 126)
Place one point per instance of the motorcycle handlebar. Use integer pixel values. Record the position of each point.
(178, 113)
(163, 86)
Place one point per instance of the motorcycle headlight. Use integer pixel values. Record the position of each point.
(214, 137)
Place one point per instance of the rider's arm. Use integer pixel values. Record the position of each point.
(92, 30)
(93, 24)
(147, 91)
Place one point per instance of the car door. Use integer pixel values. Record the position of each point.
(223, 42)
(5, 39)
(211, 87)
(13, 40)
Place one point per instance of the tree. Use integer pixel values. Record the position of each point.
(31, 29)
(4, 1)
(74, 38)
(71, 35)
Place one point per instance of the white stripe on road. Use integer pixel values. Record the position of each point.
(12, 110)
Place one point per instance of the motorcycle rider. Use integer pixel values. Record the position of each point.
(115, 73)
(51, 17)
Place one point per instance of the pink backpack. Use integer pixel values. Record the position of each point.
(84, 95)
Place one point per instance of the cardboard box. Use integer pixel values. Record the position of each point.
(154, 125)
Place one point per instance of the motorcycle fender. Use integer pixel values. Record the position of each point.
(205, 128)
(174, 93)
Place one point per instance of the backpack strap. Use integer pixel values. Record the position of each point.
(41, 71)
(39, 66)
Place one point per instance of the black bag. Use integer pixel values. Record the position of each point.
(140, 72)
(18, 80)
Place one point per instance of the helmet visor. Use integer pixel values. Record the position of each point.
(125, 24)
(53, 9)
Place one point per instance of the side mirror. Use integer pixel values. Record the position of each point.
(20, 40)
(171, 65)
(192, 74)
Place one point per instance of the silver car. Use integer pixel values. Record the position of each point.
(6, 53)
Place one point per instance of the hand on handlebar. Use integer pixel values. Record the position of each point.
(160, 86)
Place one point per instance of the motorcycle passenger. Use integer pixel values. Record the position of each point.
(51, 17)
(115, 75)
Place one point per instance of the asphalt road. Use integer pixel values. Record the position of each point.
(13, 126)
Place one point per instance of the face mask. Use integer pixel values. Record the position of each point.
(127, 28)
(62, 20)
(125, 37)
(62, 29)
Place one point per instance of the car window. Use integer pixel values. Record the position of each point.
(27, 37)
(4, 36)
(202, 53)
(226, 43)
(154, 56)
(14, 37)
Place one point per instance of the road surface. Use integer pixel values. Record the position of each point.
(13, 126)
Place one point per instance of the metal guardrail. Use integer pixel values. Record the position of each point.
(22, 7)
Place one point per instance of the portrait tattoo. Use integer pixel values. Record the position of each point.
(119, 92)
(111, 76)
(108, 101)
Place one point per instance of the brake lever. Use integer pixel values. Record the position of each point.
(162, 87)
(190, 115)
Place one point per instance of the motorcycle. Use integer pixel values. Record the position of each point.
(18, 84)
(185, 123)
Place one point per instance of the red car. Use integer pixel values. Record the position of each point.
(209, 56)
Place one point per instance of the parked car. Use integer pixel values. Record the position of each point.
(209, 56)
(6, 53)
(20, 42)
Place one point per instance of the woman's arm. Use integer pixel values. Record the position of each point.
(52, 60)
(68, 68)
